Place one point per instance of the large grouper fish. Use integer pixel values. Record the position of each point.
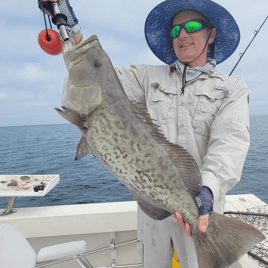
(162, 177)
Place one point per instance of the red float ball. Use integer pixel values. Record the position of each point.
(52, 46)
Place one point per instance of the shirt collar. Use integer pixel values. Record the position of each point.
(209, 69)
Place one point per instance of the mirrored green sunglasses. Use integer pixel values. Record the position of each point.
(189, 26)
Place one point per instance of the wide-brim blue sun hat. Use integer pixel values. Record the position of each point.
(159, 21)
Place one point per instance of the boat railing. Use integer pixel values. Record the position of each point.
(112, 246)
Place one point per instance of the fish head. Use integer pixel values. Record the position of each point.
(82, 90)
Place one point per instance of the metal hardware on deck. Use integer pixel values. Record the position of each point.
(126, 266)
(107, 248)
(121, 266)
(81, 264)
(9, 209)
(113, 264)
(83, 261)
(112, 244)
(246, 213)
(113, 251)
(254, 256)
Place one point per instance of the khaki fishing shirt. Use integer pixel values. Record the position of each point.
(211, 119)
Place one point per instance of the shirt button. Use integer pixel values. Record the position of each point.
(181, 125)
(182, 104)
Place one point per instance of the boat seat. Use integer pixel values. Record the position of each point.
(16, 252)
(61, 250)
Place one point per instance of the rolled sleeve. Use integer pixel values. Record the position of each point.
(228, 145)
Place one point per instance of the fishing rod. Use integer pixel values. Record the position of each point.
(242, 54)
(49, 39)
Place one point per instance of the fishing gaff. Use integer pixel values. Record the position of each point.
(49, 39)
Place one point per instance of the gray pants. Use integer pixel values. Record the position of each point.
(157, 240)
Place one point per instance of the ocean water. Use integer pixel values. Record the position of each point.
(49, 149)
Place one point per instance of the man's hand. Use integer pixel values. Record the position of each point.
(202, 223)
(204, 202)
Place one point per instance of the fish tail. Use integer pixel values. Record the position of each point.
(225, 241)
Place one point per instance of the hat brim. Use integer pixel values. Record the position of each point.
(158, 27)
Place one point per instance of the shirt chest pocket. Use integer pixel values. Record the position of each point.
(162, 104)
(204, 109)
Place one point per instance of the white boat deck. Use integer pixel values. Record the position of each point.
(242, 203)
(97, 224)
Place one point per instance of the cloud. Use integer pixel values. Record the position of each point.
(25, 72)
(31, 81)
(127, 17)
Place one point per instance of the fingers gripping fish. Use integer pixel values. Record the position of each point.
(162, 177)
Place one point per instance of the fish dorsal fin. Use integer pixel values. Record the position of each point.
(185, 163)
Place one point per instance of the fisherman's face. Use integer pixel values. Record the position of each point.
(188, 46)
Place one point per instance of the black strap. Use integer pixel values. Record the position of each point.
(184, 78)
(48, 38)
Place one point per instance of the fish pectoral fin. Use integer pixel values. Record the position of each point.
(82, 149)
(75, 118)
(72, 116)
(150, 207)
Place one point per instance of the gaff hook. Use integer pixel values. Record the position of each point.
(48, 39)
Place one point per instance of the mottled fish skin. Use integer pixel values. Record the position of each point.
(162, 177)
(123, 142)
(135, 158)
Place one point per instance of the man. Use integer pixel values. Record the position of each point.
(195, 106)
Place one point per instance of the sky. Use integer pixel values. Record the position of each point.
(31, 81)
